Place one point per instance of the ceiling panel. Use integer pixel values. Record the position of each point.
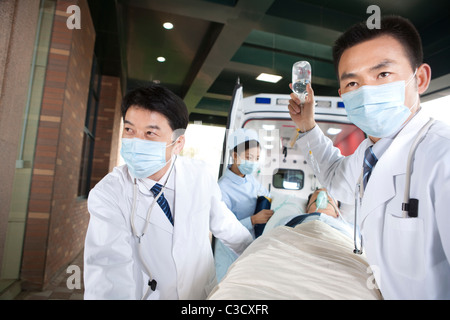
(179, 46)
(214, 42)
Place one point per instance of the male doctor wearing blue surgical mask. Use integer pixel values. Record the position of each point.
(382, 75)
(240, 191)
(150, 219)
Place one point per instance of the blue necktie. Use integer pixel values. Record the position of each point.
(156, 189)
(370, 160)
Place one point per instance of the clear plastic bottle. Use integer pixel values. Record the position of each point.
(301, 76)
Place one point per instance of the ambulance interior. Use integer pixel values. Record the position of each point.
(312, 260)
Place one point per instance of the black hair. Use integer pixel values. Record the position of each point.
(244, 146)
(159, 99)
(397, 27)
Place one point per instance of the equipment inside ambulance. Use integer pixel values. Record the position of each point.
(282, 253)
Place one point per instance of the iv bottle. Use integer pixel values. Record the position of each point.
(301, 76)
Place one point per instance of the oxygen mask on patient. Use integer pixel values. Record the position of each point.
(322, 200)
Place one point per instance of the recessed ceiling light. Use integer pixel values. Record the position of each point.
(269, 77)
(161, 59)
(168, 25)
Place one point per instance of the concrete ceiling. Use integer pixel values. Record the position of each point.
(214, 42)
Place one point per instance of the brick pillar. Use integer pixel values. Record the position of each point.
(107, 132)
(57, 218)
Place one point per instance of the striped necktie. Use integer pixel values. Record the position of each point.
(156, 189)
(370, 160)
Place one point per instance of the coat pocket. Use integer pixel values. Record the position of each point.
(404, 244)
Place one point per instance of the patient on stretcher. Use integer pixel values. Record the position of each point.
(320, 206)
(305, 252)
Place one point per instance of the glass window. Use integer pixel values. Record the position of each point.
(84, 180)
(289, 179)
(346, 137)
(279, 150)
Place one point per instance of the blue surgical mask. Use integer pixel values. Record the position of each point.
(247, 167)
(378, 110)
(143, 157)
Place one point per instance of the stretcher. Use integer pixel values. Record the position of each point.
(311, 261)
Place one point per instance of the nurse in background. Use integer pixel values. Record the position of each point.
(240, 191)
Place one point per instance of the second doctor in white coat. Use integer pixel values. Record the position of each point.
(178, 255)
(381, 76)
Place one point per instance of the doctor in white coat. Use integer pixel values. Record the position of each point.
(381, 76)
(152, 243)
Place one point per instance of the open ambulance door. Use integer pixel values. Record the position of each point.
(234, 118)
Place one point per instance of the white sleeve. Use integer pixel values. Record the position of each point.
(224, 225)
(339, 174)
(108, 258)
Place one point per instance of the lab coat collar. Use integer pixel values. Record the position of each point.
(381, 187)
(234, 177)
(146, 184)
(401, 145)
(149, 183)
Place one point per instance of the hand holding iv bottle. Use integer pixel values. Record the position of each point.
(301, 76)
(301, 106)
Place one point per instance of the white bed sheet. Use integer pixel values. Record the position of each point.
(310, 261)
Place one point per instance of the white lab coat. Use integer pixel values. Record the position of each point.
(410, 257)
(179, 257)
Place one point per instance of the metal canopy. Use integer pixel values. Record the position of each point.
(215, 42)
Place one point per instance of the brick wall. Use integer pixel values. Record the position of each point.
(57, 218)
(107, 133)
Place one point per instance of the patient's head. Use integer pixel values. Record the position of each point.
(320, 201)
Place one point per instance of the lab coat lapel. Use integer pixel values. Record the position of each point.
(183, 203)
(381, 186)
(156, 218)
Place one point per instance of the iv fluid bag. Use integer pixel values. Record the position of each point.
(301, 76)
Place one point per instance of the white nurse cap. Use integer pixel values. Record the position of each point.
(240, 136)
